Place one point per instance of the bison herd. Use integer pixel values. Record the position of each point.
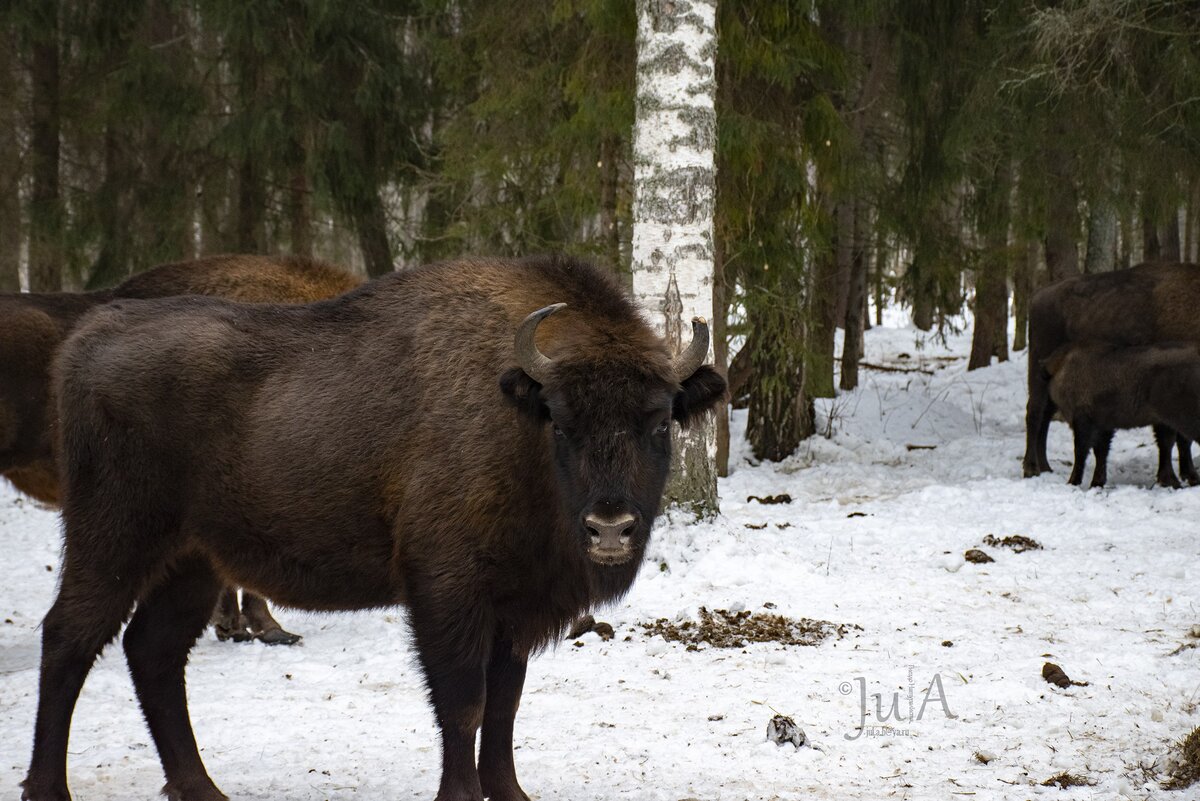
(1116, 350)
(482, 442)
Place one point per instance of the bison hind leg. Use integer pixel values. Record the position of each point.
(86, 616)
(157, 642)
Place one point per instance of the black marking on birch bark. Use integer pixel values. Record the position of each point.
(673, 315)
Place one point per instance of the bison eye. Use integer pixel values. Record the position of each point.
(662, 428)
(558, 432)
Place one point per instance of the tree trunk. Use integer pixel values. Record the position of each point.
(881, 262)
(1151, 247)
(674, 138)
(250, 234)
(1125, 260)
(300, 212)
(852, 343)
(371, 225)
(1171, 250)
(921, 285)
(990, 335)
(720, 336)
(1062, 228)
(1023, 275)
(823, 321)
(251, 222)
(10, 170)
(46, 258)
(610, 181)
(1102, 239)
(113, 263)
(781, 414)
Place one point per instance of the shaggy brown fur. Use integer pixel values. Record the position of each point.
(1101, 388)
(351, 454)
(1143, 305)
(33, 326)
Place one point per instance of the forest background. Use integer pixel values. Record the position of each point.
(941, 155)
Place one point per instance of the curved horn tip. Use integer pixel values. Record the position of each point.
(700, 320)
(546, 311)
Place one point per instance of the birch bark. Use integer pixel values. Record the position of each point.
(674, 190)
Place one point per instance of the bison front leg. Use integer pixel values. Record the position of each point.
(1165, 439)
(227, 619)
(505, 681)
(1038, 412)
(1187, 468)
(452, 646)
(1101, 445)
(1084, 433)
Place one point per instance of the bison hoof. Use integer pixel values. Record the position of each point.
(279, 637)
(32, 792)
(225, 633)
(1169, 481)
(193, 791)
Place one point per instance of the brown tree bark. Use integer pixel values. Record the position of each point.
(1023, 274)
(852, 343)
(300, 212)
(720, 336)
(1151, 246)
(11, 229)
(823, 325)
(990, 335)
(1101, 256)
(371, 225)
(46, 257)
(1171, 250)
(1062, 226)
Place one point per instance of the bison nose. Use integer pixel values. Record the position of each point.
(610, 533)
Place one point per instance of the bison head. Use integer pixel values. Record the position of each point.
(608, 414)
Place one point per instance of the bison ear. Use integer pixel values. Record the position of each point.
(701, 392)
(524, 393)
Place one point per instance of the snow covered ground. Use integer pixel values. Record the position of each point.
(874, 537)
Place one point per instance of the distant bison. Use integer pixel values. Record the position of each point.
(33, 326)
(1143, 305)
(1101, 388)
(435, 439)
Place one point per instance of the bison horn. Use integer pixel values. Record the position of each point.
(535, 363)
(690, 360)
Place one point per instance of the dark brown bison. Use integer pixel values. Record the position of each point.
(33, 326)
(1100, 388)
(425, 441)
(1143, 305)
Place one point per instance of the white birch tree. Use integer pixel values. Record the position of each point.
(674, 193)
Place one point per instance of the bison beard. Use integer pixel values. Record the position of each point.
(407, 443)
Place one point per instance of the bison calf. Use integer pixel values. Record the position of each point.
(451, 439)
(1099, 388)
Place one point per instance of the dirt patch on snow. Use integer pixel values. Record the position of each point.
(1017, 542)
(721, 628)
(1186, 770)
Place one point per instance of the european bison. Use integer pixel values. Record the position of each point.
(33, 326)
(1143, 305)
(1100, 388)
(426, 441)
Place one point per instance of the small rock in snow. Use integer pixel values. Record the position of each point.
(783, 729)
